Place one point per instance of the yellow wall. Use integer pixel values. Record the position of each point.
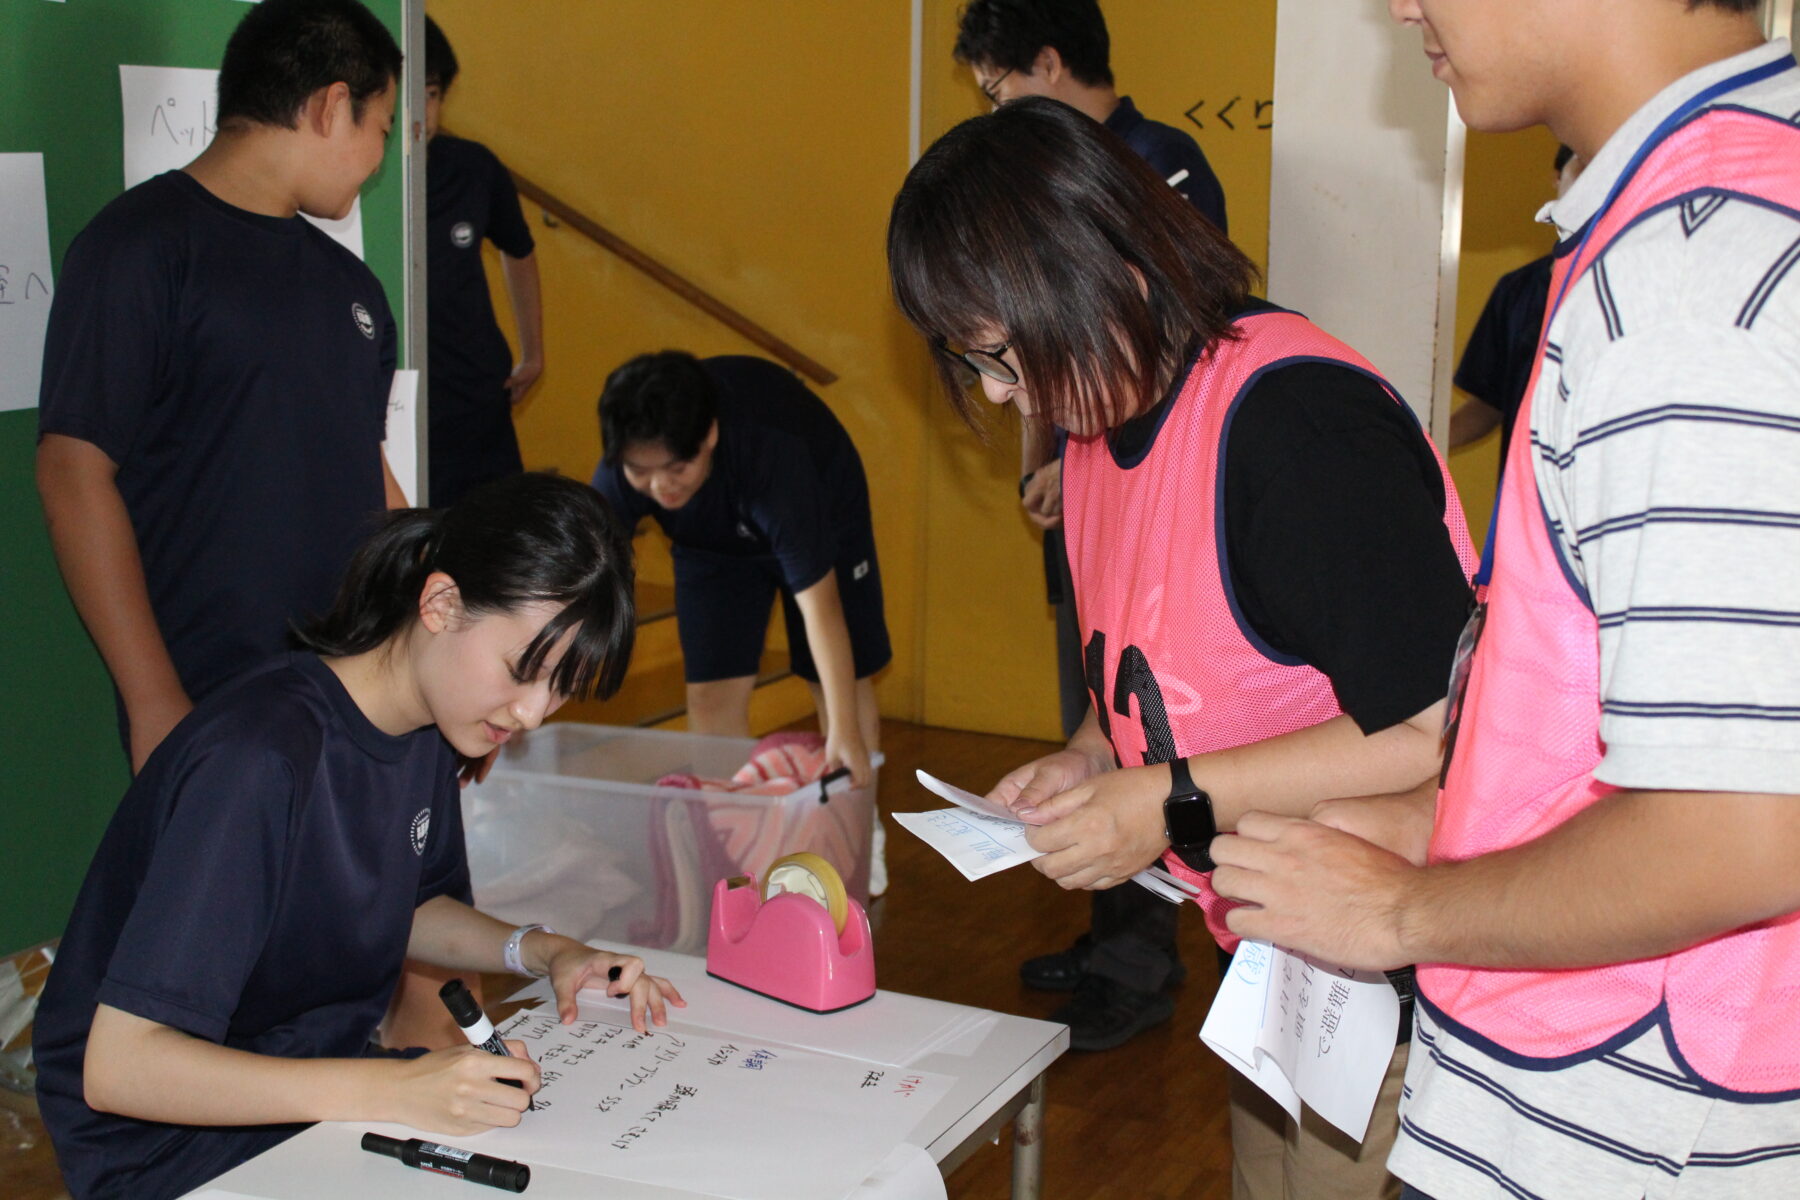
(1507, 178)
(989, 660)
(755, 149)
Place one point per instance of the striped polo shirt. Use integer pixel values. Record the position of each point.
(1666, 431)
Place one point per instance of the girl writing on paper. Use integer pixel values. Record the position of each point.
(1270, 565)
(243, 924)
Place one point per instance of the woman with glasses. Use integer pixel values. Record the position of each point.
(1270, 564)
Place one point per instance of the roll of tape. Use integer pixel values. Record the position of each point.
(807, 874)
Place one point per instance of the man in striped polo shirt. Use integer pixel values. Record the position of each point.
(1611, 913)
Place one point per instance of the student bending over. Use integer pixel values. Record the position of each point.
(298, 834)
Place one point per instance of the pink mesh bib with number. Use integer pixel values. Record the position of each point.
(1171, 665)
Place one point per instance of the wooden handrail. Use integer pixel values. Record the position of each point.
(685, 288)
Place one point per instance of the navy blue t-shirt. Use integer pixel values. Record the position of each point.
(1170, 151)
(469, 198)
(786, 480)
(236, 369)
(1496, 364)
(256, 889)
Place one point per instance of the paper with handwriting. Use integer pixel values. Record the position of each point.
(702, 1110)
(171, 115)
(1306, 1032)
(25, 280)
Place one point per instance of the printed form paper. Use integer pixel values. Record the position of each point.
(701, 1110)
(25, 281)
(171, 114)
(1306, 1032)
(980, 837)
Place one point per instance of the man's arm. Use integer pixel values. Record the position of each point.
(97, 552)
(390, 486)
(827, 635)
(1637, 874)
(527, 298)
(1471, 420)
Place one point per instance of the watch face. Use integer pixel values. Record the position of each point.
(1189, 819)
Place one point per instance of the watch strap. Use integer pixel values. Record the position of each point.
(514, 947)
(1181, 779)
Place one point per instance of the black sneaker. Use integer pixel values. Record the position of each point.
(1058, 972)
(1104, 1014)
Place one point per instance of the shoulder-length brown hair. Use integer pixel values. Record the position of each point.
(1029, 221)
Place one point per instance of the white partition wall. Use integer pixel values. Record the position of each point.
(1365, 201)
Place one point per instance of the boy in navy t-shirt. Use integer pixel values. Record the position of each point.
(762, 492)
(216, 372)
(474, 383)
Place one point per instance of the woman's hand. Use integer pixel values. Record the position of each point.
(458, 1091)
(578, 966)
(1029, 786)
(1100, 833)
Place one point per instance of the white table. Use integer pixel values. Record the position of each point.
(998, 1061)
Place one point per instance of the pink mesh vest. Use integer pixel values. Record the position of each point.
(1523, 762)
(1171, 666)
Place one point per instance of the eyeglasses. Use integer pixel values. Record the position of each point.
(988, 362)
(992, 90)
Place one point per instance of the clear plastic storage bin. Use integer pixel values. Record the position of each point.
(570, 830)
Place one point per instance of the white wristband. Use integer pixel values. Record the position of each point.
(514, 944)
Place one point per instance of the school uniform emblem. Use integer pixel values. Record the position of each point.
(462, 235)
(363, 320)
(421, 829)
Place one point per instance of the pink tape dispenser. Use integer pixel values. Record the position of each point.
(799, 938)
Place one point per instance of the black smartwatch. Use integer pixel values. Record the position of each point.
(1188, 818)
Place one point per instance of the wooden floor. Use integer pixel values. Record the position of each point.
(1142, 1122)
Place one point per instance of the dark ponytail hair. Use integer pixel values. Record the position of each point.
(526, 539)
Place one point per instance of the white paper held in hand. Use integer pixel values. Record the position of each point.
(978, 836)
(1306, 1031)
(985, 837)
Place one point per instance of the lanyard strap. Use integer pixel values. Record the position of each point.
(1669, 124)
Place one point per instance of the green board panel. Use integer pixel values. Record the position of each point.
(61, 766)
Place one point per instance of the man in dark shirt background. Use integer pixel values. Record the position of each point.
(216, 374)
(1060, 49)
(1496, 364)
(474, 383)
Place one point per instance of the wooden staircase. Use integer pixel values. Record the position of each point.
(654, 694)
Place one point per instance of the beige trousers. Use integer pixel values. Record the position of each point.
(1275, 1158)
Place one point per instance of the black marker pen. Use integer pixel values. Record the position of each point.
(449, 1160)
(476, 1027)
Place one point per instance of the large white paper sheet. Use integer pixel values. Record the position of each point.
(698, 1109)
(171, 114)
(25, 281)
(1306, 1031)
(402, 445)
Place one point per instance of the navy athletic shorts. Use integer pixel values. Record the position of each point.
(722, 605)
